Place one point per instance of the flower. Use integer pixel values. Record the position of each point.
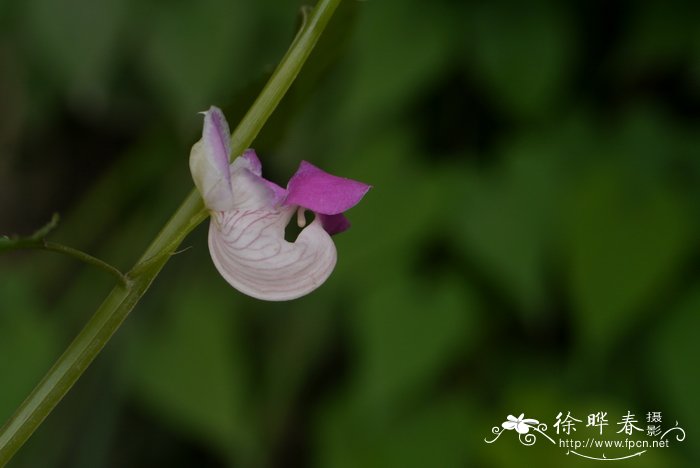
(249, 215)
(522, 426)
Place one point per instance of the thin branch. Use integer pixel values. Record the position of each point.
(37, 241)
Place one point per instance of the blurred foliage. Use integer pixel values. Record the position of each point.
(530, 244)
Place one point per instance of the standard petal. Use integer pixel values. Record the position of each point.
(323, 193)
(249, 250)
(209, 161)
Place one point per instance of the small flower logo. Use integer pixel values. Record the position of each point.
(522, 426)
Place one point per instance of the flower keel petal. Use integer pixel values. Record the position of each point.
(249, 250)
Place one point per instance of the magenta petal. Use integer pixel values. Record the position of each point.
(217, 137)
(321, 192)
(334, 224)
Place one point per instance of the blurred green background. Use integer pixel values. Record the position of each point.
(530, 245)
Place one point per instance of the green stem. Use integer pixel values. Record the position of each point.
(122, 299)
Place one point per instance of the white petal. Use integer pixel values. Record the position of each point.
(209, 161)
(522, 428)
(249, 250)
(214, 187)
(249, 190)
(509, 425)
